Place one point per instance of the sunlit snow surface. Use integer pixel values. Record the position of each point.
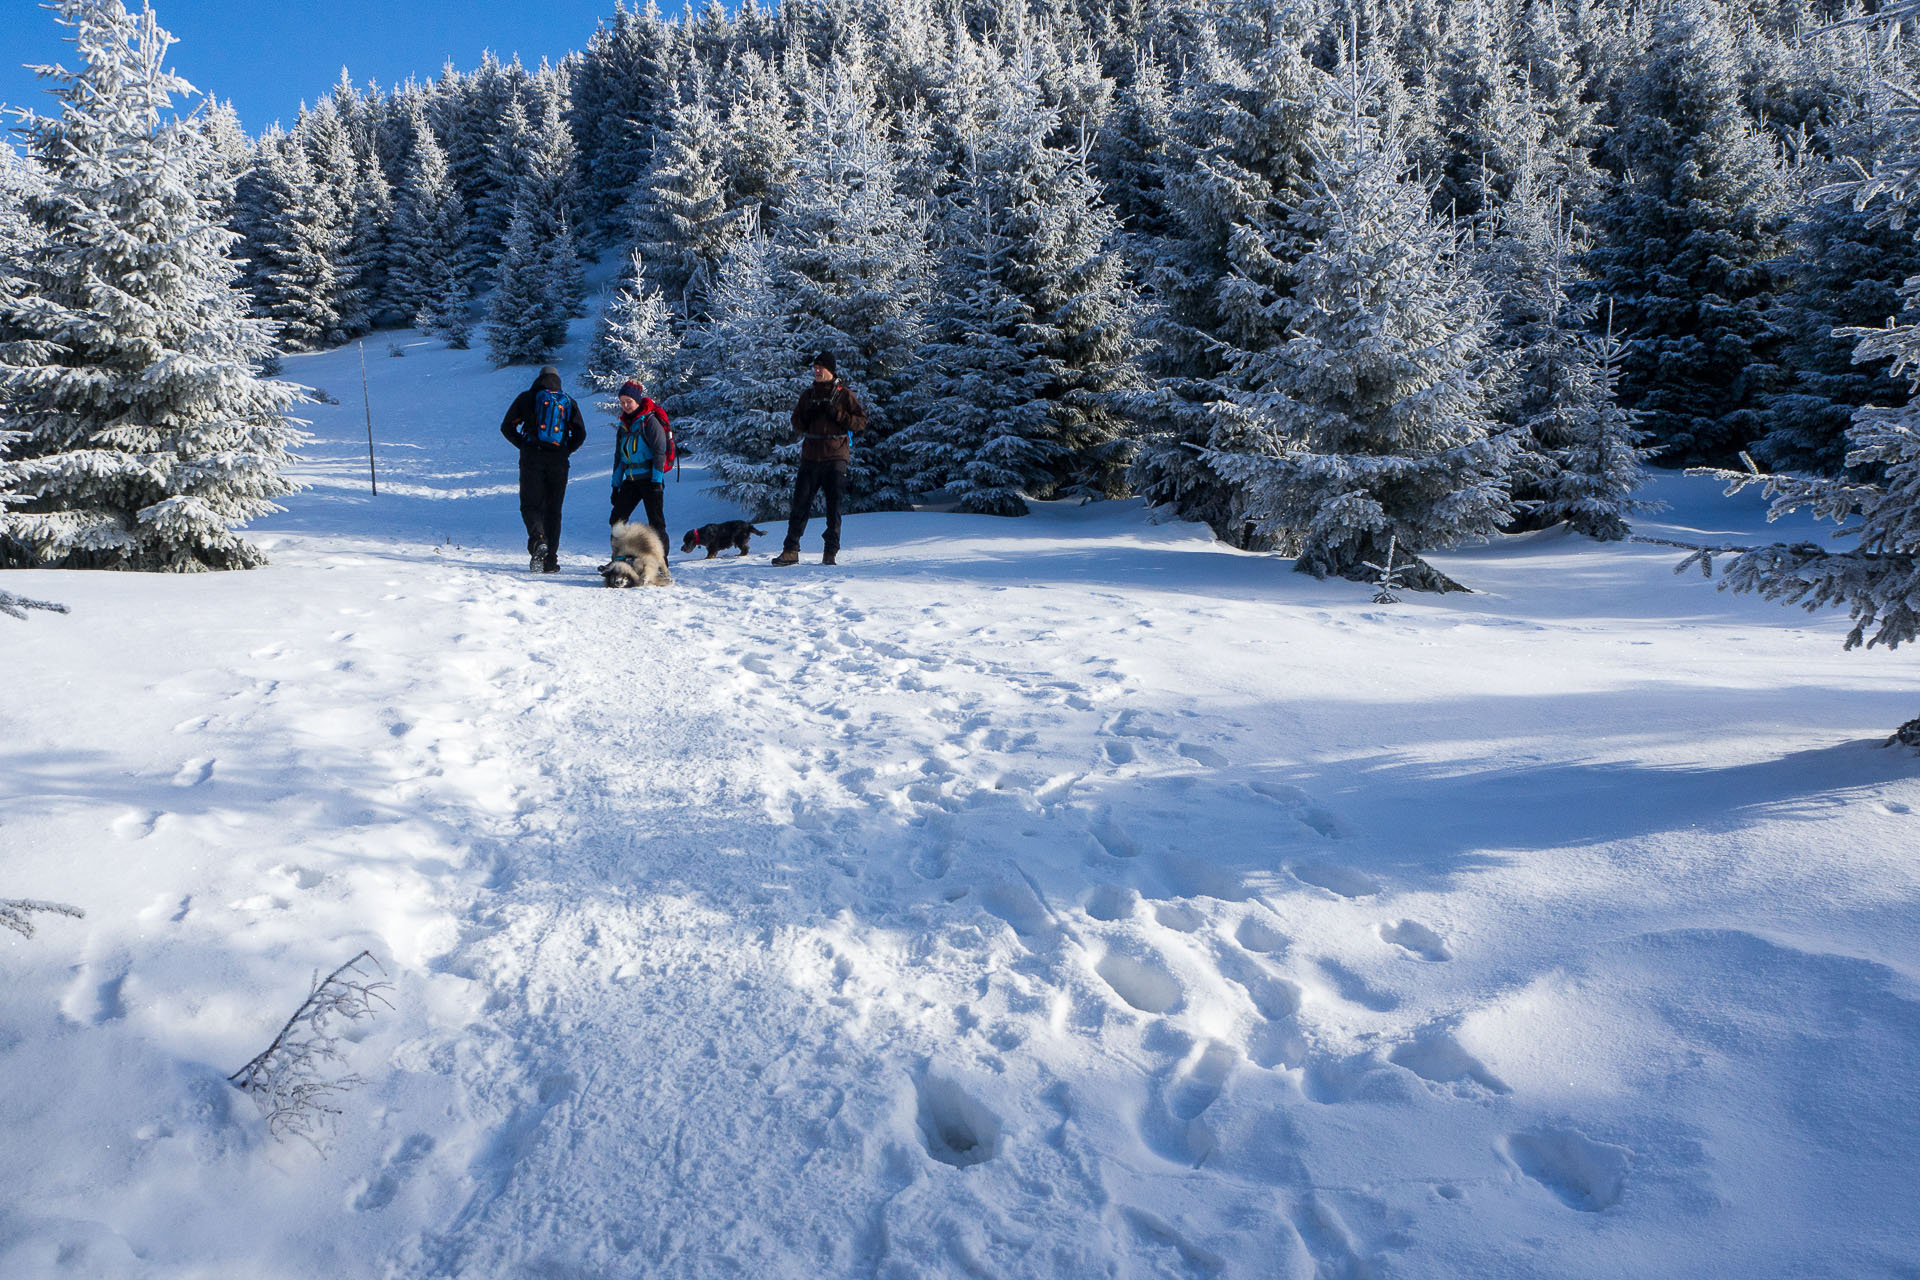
(1067, 896)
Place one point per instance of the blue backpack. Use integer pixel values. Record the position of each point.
(551, 410)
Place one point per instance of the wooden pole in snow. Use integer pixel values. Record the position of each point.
(372, 478)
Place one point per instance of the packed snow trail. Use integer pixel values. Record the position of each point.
(1068, 896)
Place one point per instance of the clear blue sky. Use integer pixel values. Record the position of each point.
(267, 56)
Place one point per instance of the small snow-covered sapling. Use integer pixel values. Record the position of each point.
(16, 913)
(291, 1076)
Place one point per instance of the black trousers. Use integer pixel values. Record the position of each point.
(828, 479)
(629, 494)
(543, 489)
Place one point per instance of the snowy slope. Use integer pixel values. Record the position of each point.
(1070, 896)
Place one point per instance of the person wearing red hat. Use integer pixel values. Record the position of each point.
(643, 453)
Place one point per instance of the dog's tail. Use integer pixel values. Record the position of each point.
(761, 532)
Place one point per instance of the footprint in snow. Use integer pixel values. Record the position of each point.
(956, 1128)
(1438, 1057)
(1142, 981)
(1177, 1129)
(1113, 837)
(1256, 934)
(1586, 1175)
(137, 824)
(1413, 937)
(1202, 754)
(1335, 879)
(1178, 916)
(400, 1165)
(194, 772)
(1112, 902)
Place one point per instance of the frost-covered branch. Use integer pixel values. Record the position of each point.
(17, 606)
(291, 1076)
(16, 913)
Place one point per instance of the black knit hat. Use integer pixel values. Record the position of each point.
(633, 389)
(825, 361)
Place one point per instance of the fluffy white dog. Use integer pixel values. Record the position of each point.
(639, 559)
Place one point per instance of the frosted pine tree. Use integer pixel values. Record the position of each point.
(1237, 163)
(748, 372)
(1877, 578)
(496, 109)
(547, 191)
(293, 242)
(1371, 422)
(680, 217)
(758, 158)
(430, 236)
(634, 337)
(1688, 241)
(1601, 464)
(1844, 269)
(129, 364)
(527, 317)
(982, 428)
(855, 261)
(356, 203)
(18, 180)
(1580, 459)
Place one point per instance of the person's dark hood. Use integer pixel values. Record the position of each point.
(549, 379)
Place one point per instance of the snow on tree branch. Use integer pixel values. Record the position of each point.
(17, 606)
(291, 1077)
(16, 913)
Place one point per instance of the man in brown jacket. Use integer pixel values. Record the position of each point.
(826, 418)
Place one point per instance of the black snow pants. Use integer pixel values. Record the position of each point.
(633, 493)
(543, 488)
(829, 479)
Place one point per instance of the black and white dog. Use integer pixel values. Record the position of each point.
(718, 537)
(638, 558)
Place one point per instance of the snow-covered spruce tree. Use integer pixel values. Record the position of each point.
(758, 158)
(547, 191)
(130, 363)
(498, 102)
(854, 261)
(527, 317)
(982, 426)
(747, 369)
(1372, 421)
(1579, 460)
(429, 240)
(634, 337)
(1844, 269)
(293, 241)
(18, 180)
(359, 205)
(679, 215)
(1237, 163)
(1878, 579)
(617, 95)
(1688, 240)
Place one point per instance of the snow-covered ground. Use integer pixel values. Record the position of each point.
(1069, 896)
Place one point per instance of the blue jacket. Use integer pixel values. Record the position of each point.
(640, 450)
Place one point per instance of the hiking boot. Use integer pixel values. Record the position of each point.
(536, 555)
(827, 558)
(789, 556)
(550, 565)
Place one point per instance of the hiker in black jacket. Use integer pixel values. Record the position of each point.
(825, 419)
(544, 424)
